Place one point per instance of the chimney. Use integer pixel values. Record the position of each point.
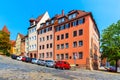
(62, 12)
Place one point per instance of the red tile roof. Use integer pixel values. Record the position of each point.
(5, 30)
(39, 18)
(12, 42)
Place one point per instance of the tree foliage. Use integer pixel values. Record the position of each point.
(110, 42)
(4, 42)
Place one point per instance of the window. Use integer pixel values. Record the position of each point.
(58, 56)
(42, 55)
(72, 16)
(67, 25)
(47, 55)
(63, 19)
(67, 45)
(57, 29)
(74, 23)
(62, 56)
(50, 36)
(52, 21)
(47, 23)
(50, 45)
(35, 37)
(40, 39)
(58, 47)
(74, 33)
(62, 46)
(58, 37)
(80, 55)
(80, 32)
(42, 46)
(75, 55)
(80, 43)
(62, 27)
(43, 39)
(46, 29)
(29, 31)
(66, 35)
(66, 56)
(81, 21)
(47, 37)
(42, 30)
(50, 28)
(30, 38)
(50, 54)
(35, 45)
(75, 44)
(62, 36)
(47, 45)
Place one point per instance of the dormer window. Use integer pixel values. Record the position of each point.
(31, 23)
(47, 23)
(52, 21)
(72, 16)
(61, 20)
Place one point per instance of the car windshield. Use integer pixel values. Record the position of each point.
(49, 61)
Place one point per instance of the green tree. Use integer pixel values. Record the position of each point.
(4, 42)
(110, 42)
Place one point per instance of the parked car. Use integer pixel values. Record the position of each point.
(19, 58)
(39, 61)
(23, 58)
(28, 59)
(14, 56)
(42, 62)
(62, 65)
(49, 63)
(34, 60)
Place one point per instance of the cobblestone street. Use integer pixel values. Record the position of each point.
(17, 70)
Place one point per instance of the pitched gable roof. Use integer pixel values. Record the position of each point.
(5, 30)
(39, 18)
(12, 42)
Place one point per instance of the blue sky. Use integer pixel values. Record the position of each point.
(15, 14)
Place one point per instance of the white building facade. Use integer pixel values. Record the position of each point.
(32, 34)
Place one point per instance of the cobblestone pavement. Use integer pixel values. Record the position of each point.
(17, 70)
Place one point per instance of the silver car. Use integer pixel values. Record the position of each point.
(50, 63)
(34, 60)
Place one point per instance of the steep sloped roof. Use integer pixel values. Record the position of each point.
(12, 42)
(5, 29)
(39, 18)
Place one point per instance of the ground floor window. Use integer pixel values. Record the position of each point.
(50, 54)
(58, 56)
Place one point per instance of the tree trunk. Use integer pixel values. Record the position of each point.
(116, 65)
